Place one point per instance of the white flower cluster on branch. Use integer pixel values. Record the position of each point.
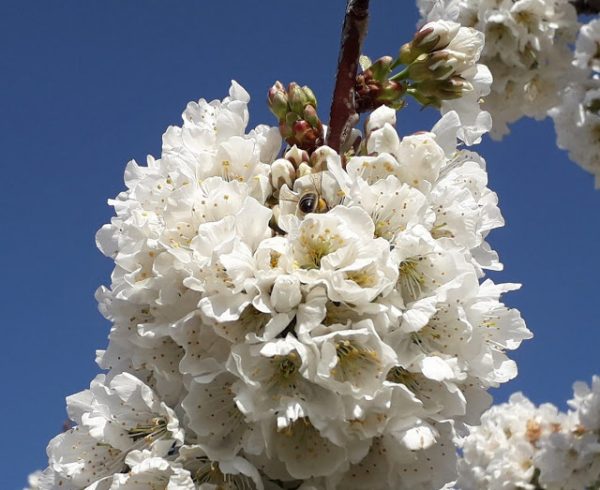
(521, 446)
(577, 118)
(286, 320)
(443, 60)
(536, 72)
(526, 49)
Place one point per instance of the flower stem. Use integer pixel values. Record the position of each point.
(401, 75)
(343, 112)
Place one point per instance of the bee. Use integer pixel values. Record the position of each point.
(312, 202)
(308, 199)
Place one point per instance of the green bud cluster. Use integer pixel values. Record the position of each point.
(296, 111)
(430, 73)
(431, 68)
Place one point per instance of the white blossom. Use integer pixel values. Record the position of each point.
(577, 125)
(526, 50)
(147, 471)
(305, 319)
(448, 75)
(521, 446)
(587, 57)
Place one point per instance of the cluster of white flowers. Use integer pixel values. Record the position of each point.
(521, 446)
(577, 118)
(443, 61)
(527, 50)
(285, 320)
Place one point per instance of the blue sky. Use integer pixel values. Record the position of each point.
(86, 86)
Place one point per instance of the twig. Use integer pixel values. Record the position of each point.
(586, 7)
(343, 113)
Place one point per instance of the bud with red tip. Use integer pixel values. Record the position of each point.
(296, 110)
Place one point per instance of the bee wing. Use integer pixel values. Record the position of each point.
(288, 201)
(317, 179)
(285, 194)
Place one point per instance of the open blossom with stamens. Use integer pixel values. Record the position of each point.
(292, 322)
(521, 446)
(527, 50)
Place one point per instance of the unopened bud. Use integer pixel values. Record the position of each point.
(434, 66)
(303, 170)
(435, 35)
(310, 115)
(277, 100)
(432, 37)
(381, 69)
(296, 155)
(297, 98)
(286, 293)
(371, 93)
(291, 118)
(311, 99)
(406, 55)
(379, 118)
(391, 91)
(323, 158)
(305, 135)
(296, 111)
(282, 172)
(285, 130)
(435, 91)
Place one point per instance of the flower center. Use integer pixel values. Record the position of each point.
(411, 280)
(316, 245)
(210, 472)
(401, 376)
(283, 378)
(365, 278)
(149, 432)
(354, 361)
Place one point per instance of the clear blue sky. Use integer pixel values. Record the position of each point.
(87, 85)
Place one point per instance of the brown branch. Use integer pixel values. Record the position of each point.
(343, 113)
(586, 7)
